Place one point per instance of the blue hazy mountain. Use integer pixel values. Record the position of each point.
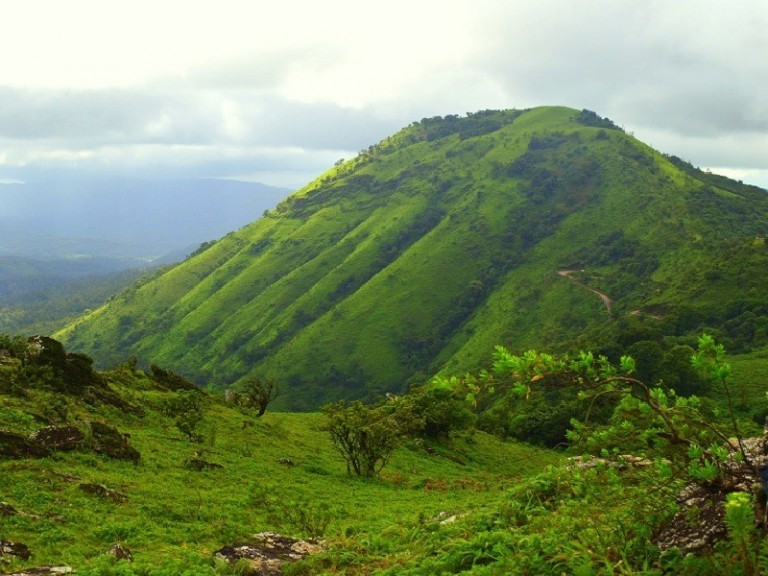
(120, 217)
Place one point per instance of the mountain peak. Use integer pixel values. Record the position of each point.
(436, 244)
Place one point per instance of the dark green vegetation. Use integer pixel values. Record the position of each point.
(40, 296)
(428, 249)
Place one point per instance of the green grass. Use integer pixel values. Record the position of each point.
(173, 514)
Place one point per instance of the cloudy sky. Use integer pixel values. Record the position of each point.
(277, 91)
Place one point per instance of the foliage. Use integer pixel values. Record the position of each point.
(49, 296)
(644, 420)
(744, 542)
(364, 436)
(187, 407)
(433, 411)
(469, 504)
(257, 392)
(308, 517)
(589, 118)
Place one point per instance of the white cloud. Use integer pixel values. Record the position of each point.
(99, 85)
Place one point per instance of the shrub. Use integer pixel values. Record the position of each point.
(364, 436)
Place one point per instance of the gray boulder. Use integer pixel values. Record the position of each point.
(268, 552)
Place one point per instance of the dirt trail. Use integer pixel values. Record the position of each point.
(603, 296)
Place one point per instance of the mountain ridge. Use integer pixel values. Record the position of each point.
(430, 248)
(65, 215)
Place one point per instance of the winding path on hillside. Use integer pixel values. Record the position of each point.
(603, 296)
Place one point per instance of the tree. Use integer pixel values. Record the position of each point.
(432, 411)
(258, 392)
(188, 409)
(364, 436)
(647, 420)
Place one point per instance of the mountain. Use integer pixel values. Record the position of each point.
(547, 227)
(66, 215)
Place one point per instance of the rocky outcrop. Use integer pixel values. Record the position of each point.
(7, 510)
(106, 396)
(170, 380)
(120, 552)
(13, 445)
(72, 372)
(44, 571)
(103, 492)
(16, 549)
(197, 464)
(700, 523)
(111, 442)
(268, 552)
(61, 438)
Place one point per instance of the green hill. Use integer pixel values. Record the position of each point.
(90, 460)
(426, 250)
(125, 473)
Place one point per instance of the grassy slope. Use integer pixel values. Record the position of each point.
(430, 248)
(177, 515)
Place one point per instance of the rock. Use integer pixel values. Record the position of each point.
(7, 510)
(269, 552)
(286, 462)
(72, 373)
(170, 380)
(109, 441)
(44, 571)
(106, 396)
(622, 461)
(14, 549)
(71, 478)
(120, 552)
(700, 522)
(13, 445)
(104, 492)
(61, 438)
(198, 464)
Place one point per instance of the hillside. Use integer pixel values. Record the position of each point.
(428, 249)
(128, 473)
(89, 461)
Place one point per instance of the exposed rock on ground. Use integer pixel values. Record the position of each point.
(106, 396)
(62, 438)
(700, 523)
(109, 441)
(120, 552)
(14, 549)
(198, 464)
(170, 380)
(269, 552)
(44, 571)
(104, 492)
(7, 510)
(72, 372)
(13, 445)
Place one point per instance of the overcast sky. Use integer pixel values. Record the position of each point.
(276, 91)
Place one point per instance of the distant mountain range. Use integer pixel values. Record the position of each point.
(548, 227)
(70, 216)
